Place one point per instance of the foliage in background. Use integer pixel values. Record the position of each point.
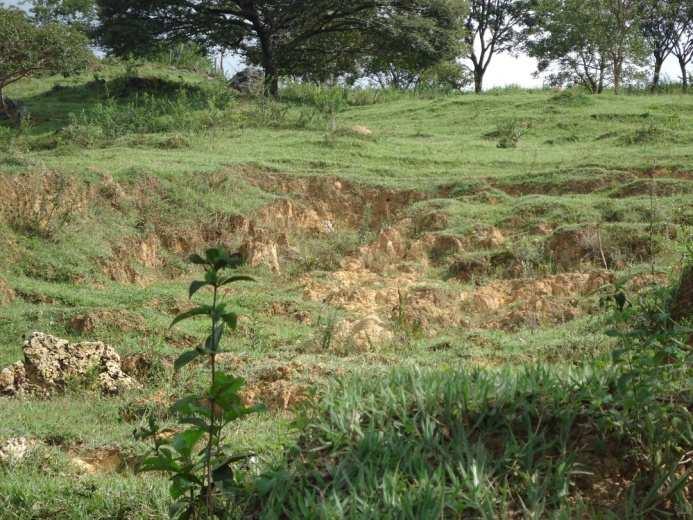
(79, 14)
(294, 38)
(28, 50)
(492, 28)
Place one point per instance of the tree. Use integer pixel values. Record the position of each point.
(283, 37)
(566, 40)
(28, 50)
(623, 39)
(493, 27)
(659, 22)
(80, 14)
(589, 41)
(683, 48)
(409, 48)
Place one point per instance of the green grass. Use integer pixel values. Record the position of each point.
(113, 183)
(477, 444)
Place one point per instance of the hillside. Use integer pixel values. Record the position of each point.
(431, 235)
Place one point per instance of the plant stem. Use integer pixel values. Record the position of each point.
(212, 425)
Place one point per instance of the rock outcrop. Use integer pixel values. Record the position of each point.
(14, 450)
(248, 81)
(50, 363)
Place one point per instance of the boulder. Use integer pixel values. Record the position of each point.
(50, 363)
(248, 81)
(14, 450)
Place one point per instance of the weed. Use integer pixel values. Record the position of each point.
(203, 482)
(509, 132)
(268, 113)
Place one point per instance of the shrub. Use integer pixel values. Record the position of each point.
(509, 132)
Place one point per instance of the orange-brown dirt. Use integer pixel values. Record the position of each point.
(7, 294)
(282, 386)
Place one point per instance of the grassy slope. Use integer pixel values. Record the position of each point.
(418, 142)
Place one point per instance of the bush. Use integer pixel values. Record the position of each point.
(510, 131)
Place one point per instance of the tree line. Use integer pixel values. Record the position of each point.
(596, 44)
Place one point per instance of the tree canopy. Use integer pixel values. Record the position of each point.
(284, 37)
(493, 27)
(27, 49)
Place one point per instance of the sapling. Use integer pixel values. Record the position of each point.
(198, 459)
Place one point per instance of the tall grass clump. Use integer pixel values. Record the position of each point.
(483, 445)
(149, 113)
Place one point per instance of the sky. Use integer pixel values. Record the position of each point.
(504, 70)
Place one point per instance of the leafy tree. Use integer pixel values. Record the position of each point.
(409, 47)
(683, 48)
(622, 36)
(590, 42)
(28, 50)
(659, 22)
(80, 14)
(565, 39)
(286, 38)
(493, 27)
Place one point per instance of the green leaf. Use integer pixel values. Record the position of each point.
(212, 342)
(204, 310)
(233, 279)
(185, 441)
(186, 358)
(231, 320)
(180, 485)
(189, 407)
(196, 286)
(161, 462)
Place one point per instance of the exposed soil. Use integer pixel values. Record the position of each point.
(7, 294)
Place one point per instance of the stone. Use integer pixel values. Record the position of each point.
(361, 130)
(14, 450)
(50, 362)
(248, 81)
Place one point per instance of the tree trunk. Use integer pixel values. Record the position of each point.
(618, 71)
(659, 62)
(4, 109)
(269, 63)
(478, 79)
(684, 74)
